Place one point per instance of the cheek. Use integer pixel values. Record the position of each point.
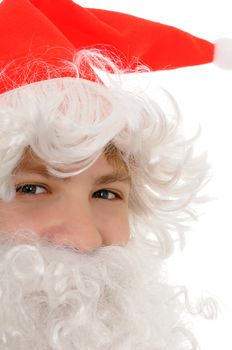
(118, 232)
(113, 223)
(15, 216)
(9, 216)
(111, 219)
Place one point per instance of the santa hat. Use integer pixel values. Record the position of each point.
(53, 32)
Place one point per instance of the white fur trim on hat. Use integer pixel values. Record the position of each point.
(223, 53)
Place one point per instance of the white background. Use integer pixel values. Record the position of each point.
(204, 95)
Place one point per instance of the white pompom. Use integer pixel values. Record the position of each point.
(223, 53)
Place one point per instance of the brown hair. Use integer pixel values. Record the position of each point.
(115, 158)
(112, 154)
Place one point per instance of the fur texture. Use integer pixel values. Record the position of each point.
(69, 121)
(116, 298)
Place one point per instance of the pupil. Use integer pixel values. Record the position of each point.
(101, 194)
(29, 188)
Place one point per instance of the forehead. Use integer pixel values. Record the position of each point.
(108, 162)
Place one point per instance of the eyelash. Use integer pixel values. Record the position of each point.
(117, 196)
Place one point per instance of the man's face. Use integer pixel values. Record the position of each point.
(107, 293)
(85, 211)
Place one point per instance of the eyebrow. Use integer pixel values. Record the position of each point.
(115, 176)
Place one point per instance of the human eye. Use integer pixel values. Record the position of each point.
(106, 194)
(31, 189)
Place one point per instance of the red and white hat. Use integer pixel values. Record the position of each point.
(54, 31)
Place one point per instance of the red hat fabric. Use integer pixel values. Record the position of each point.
(157, 45)
(52, 31)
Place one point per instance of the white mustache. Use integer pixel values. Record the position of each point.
(54, 297)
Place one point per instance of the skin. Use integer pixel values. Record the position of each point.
(75, 211)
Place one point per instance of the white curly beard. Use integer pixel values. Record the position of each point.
(115, 298)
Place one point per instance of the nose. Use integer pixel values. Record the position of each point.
(75, 225)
